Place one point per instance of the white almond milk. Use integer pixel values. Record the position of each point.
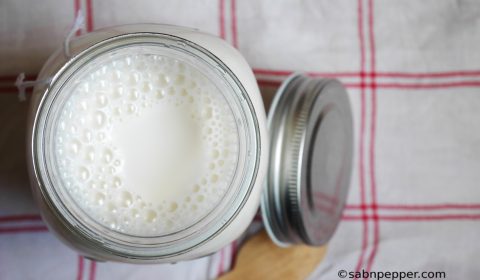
(146, 144)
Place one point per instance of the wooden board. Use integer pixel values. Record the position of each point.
(259, 258)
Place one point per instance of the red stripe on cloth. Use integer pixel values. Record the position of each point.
(429, 85)
(412, 86)
(418, 75)
(80, 265)
(23, 229)
(406, 86)
(413, 207)
(378, 74)
(234, 23)
(20, 218)
(362, 136)
(266, 83)
(76, 9)
(89, 15)
(92, 271)
(275, 84)
(221, 8)
(400, 218)
(259, 71)
(373, 119)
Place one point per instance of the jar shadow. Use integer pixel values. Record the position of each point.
(15, 194)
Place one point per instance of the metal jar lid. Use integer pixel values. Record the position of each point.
(311, 145)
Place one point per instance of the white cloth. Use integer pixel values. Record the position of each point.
(413, 73)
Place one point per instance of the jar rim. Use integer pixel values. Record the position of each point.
(156, 247)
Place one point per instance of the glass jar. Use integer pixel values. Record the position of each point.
(131, 107)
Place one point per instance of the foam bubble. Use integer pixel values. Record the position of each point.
(146, 144)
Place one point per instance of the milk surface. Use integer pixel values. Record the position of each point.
(146, 144)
